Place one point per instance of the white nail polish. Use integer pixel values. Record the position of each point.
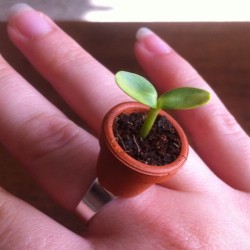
(19, 7)
(28, 22)
(143, 32)
(152, 42)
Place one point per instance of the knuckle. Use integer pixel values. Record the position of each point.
(72, 54)
(226, 122)
(44, 134)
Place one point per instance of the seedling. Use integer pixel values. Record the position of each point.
(144, 92)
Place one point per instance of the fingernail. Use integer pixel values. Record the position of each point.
(152, 42)
(27, 21)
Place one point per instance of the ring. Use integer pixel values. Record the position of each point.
(94, 199)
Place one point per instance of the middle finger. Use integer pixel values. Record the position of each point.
(86, 85)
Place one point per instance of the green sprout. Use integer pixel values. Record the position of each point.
(144, 92)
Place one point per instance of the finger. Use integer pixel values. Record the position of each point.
(194, 177)
(84, 83)
(218, 138)
(58, 154)
(27, 228)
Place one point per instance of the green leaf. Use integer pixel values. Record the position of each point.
(183, 98)
(137, 87)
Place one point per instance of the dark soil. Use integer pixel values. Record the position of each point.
(162, 145)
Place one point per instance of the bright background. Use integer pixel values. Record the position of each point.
(139, 10)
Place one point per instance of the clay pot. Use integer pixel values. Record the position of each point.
(121, 174)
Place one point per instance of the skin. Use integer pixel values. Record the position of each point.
(202, 207)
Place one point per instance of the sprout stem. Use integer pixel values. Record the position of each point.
(149, 122)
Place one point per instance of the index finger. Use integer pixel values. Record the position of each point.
(218, 138)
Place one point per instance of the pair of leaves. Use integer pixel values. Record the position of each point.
(144, 92)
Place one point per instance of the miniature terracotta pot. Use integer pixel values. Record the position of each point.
(121, 174)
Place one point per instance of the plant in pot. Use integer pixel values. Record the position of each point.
(140, 143)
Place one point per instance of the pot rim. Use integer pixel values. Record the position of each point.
(129, 161)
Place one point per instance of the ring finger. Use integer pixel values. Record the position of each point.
(58, 154)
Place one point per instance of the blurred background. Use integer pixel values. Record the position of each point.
(138, 10)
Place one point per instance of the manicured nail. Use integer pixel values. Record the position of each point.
(152, 42)
(27, 21)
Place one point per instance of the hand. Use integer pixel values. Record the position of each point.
(205, 206)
